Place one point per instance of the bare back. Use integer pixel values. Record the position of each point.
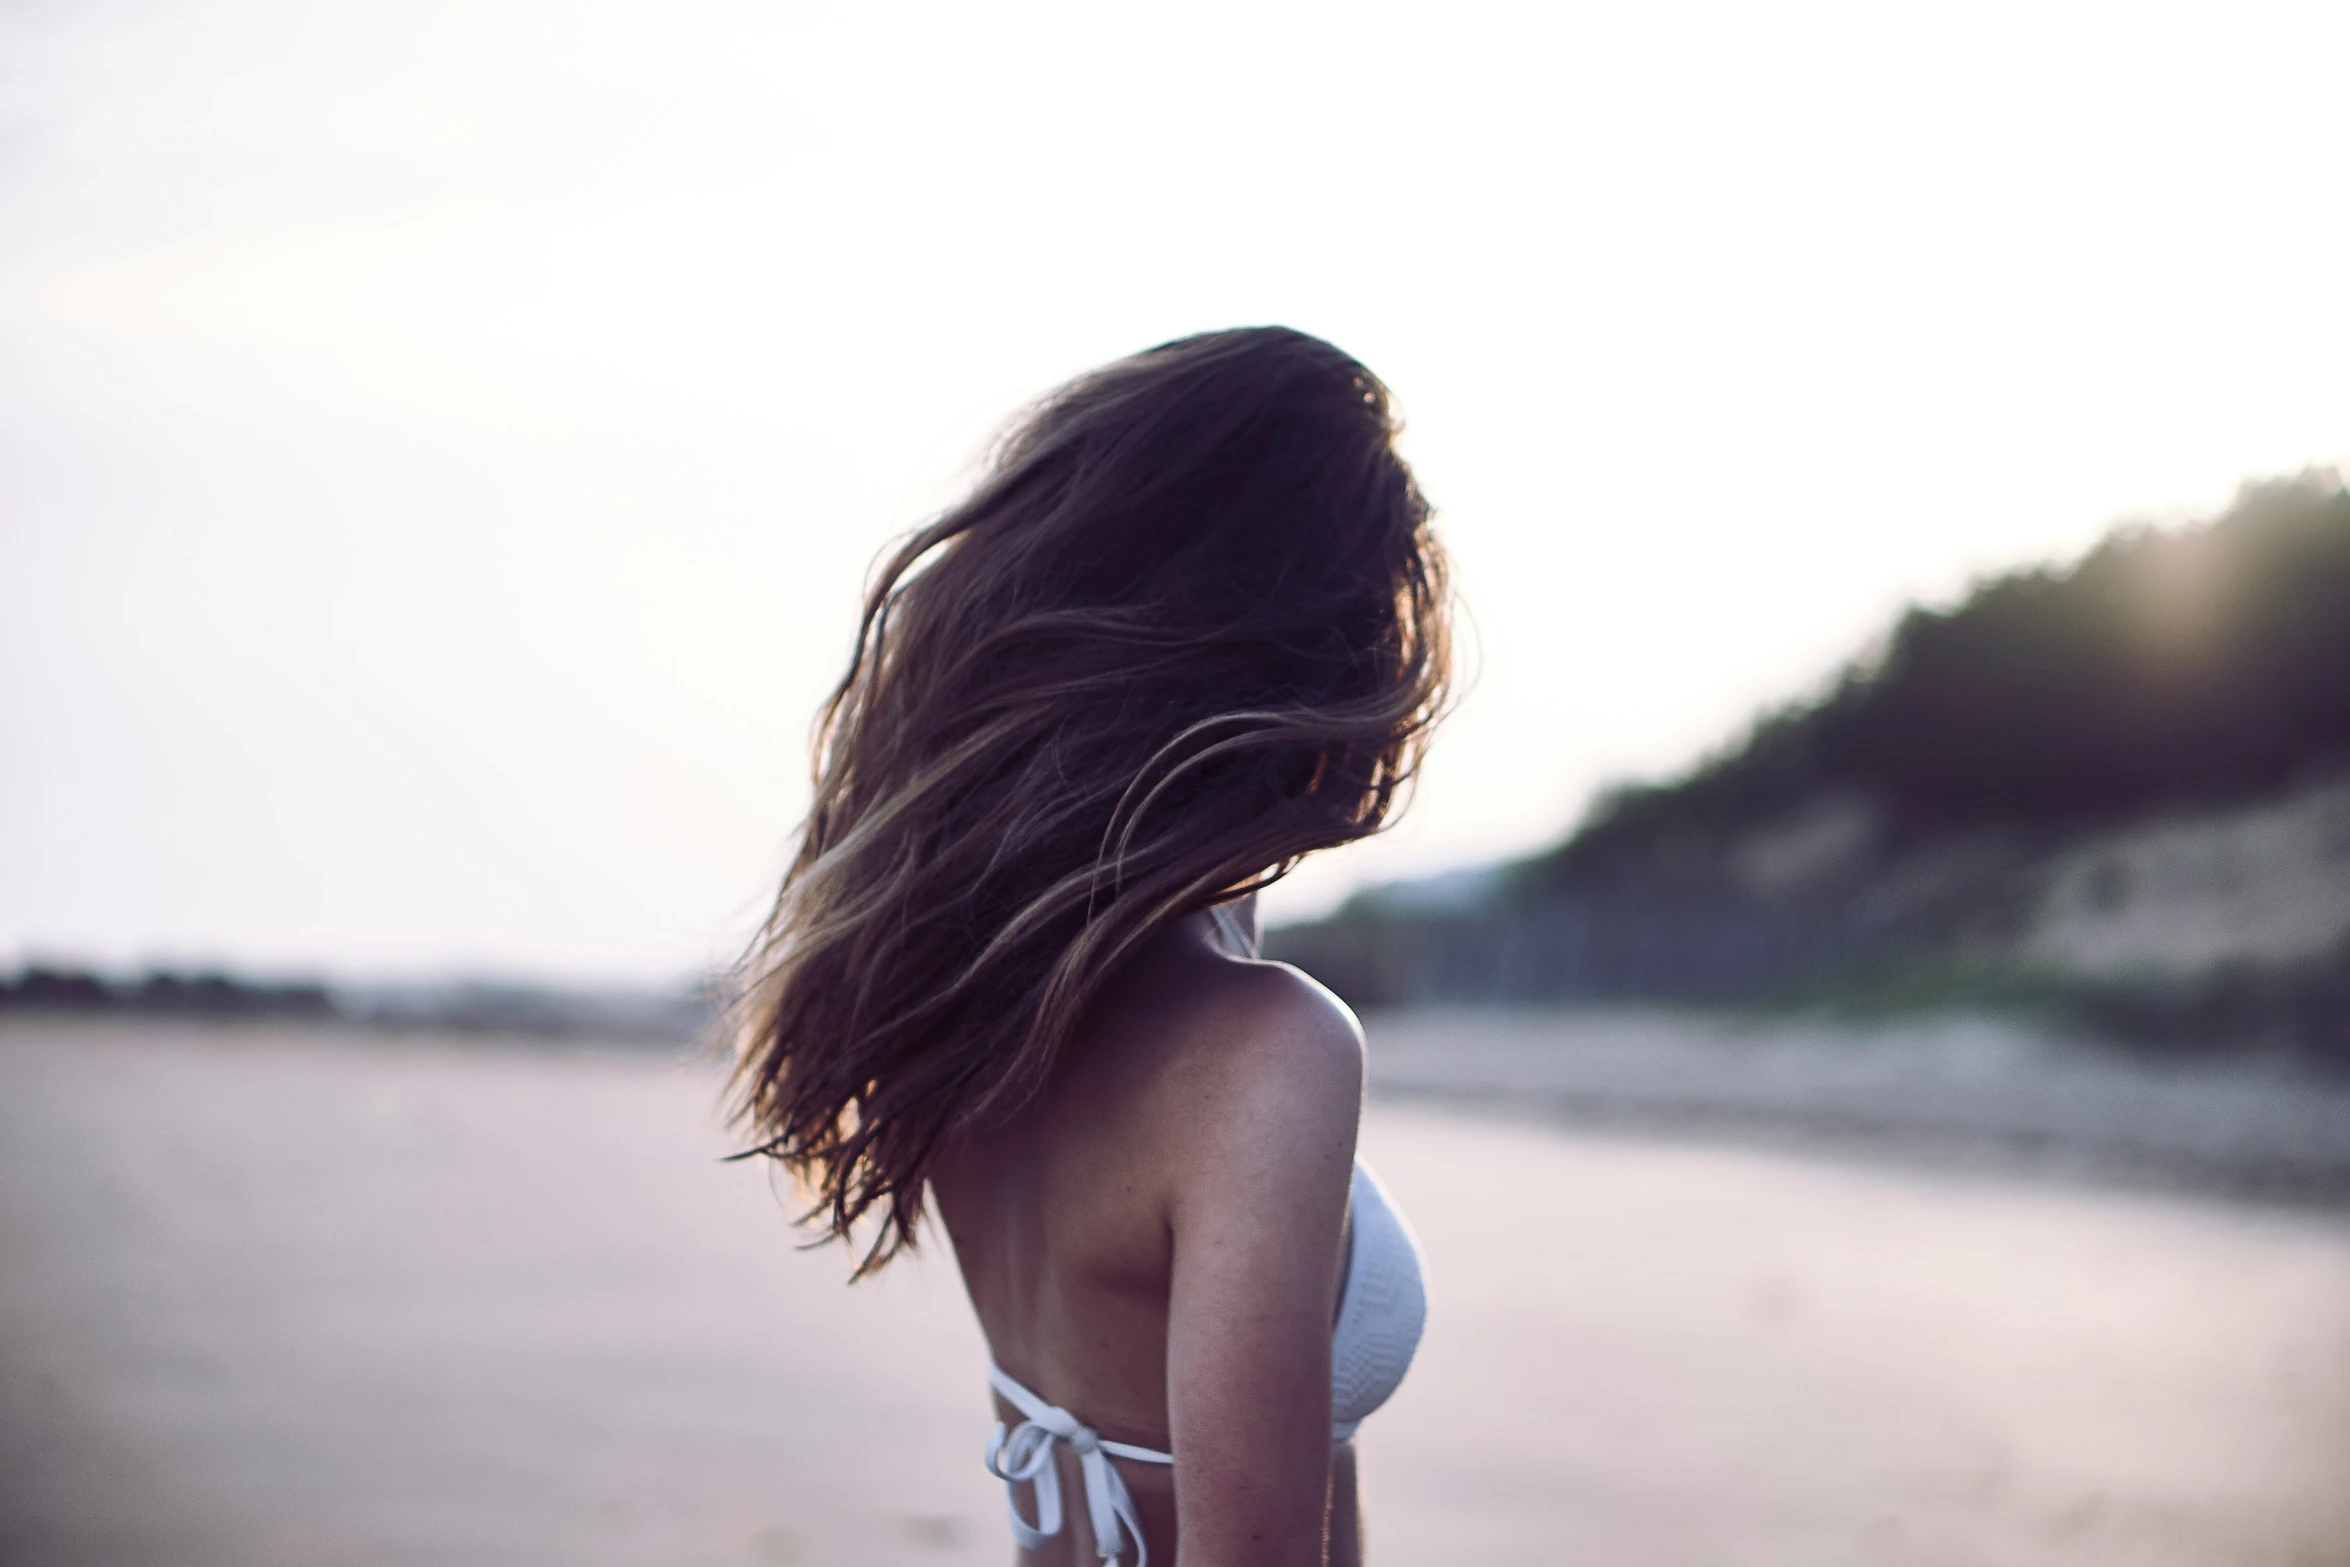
(1155, 1243)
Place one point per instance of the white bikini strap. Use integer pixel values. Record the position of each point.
(1025, 1455)
(1233, 931)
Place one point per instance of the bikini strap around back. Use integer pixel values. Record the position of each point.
(1024, 1454)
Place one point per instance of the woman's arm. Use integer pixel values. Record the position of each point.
(1257, 1219)
(1346, 1509)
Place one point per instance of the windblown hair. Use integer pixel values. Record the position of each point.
(1190, 628)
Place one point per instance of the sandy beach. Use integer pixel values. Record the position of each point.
(317, 1297)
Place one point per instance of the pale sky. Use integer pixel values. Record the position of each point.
(440, 446)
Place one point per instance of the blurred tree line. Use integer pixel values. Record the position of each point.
(163, 992)
(675, 1016)
(2196, 667)
(2167, 671)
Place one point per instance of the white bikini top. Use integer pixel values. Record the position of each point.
(1382, 1307)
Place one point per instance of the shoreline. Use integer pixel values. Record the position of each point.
(1962, 1095)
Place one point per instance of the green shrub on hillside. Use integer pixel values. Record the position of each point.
(2189, 667)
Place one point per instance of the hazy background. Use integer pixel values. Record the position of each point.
(440, 445)
(440, 450)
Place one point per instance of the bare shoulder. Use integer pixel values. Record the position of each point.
(1264, 1076)
(1260, 1026)
(1215, 1062)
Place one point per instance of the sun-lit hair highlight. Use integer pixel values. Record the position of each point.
(1190, 628)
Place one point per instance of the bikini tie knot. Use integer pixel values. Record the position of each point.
(1023, 1455)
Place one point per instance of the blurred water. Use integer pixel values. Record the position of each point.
(285, 1297)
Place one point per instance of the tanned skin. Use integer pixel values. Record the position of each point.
(1156, 1244)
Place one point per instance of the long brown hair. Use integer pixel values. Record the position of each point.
(1190, 627)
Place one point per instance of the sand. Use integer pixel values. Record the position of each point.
(277, 1297)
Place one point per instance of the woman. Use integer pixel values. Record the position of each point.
(1189, 629)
